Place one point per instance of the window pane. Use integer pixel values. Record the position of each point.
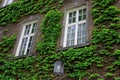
(73, 28)
(81, 34)
(70, 35)
(72, 42)
(80, 18)
(69, 29)
(84, 17)
(23, 46)
(84, 11)
(68, 43)
(79, 41)
(72, 17)
(74, 13)
(82, 14)
(33, 27)
(30, 45)
(84, 26)
(70, 20)
(27, 29)
(83, 40)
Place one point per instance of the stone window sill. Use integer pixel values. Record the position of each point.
(75, 46)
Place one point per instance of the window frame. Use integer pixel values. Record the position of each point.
(23, 35)
(7, 2)
(77, 22)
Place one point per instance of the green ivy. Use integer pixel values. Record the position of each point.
(16, 10)
(6, 43)
(80, 63)
(106, 35)
(99, 36)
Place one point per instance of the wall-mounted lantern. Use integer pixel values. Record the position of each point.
(58, 68)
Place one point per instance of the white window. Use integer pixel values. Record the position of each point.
(75, 28)
(7, 2)
(25, 46)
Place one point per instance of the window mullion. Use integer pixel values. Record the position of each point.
(21, 38)
(66, 30)
(30, 32)
(29, 35)
(81, 32)
(7, 2)
(4, 3)
(26, 47)
(76, 28)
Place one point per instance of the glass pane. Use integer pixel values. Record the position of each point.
(79, 41)
(84, 33)
(70, 35)
(84, 17)
(72, 42)
(70, 20)
(73, 28)
(79, 34)
(84, 25)
(30, 45)
(80, 18)
(28, 31)
(70, 15)
(74, 16)
(34, 27)
(74, 19)
(74, 13)
(79, 27)
(80, 12)
(84, 11)
(23, 46)
(28, 51)
(68, 43)
(83, 40)
(69, 29)
(31, 38)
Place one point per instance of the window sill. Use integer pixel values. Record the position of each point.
(75, 46)
(21, 57)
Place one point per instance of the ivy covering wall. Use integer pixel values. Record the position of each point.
(20, 8)
(98, 61)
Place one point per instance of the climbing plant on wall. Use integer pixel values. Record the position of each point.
(20, 8)
(80, 63)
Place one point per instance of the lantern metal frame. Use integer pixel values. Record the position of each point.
(58, 68)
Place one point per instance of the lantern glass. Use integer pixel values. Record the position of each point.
(58, 68)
